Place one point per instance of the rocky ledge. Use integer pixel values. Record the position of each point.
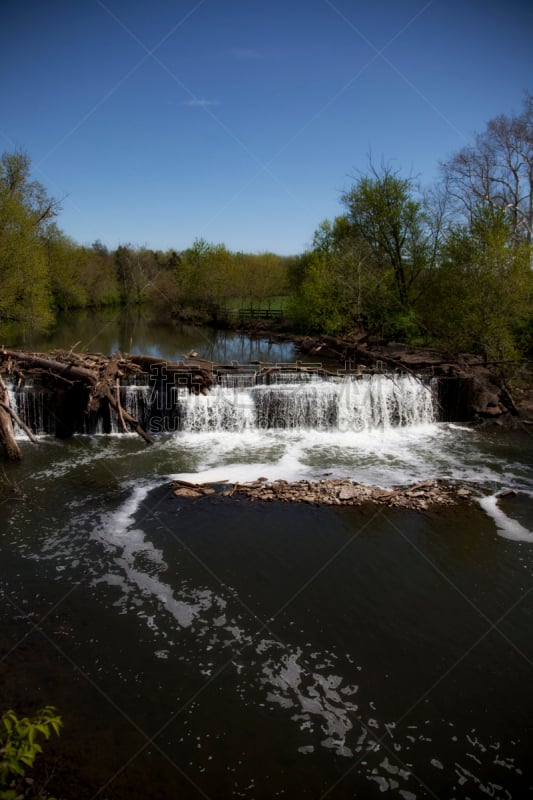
(335, 492)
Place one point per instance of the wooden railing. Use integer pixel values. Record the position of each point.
(255, 313)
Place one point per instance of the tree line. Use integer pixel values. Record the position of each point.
(449, 264)
(43, 271)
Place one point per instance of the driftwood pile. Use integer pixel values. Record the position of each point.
(334, 492)
(97, 376)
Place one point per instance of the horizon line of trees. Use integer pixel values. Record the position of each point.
(43, 271)
(449, 265)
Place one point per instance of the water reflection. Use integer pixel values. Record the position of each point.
(138, 330)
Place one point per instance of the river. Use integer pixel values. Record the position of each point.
(218, 648)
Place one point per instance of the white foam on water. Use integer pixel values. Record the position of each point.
(317, 699)
(507, 527)
(313, 688)
(383, 457)
(140, 564)
(312, 696)
(92, 449)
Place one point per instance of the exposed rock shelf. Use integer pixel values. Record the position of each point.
(335, 492)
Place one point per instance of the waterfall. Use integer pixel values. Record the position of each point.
(136, 399)
(222, 410)
(281, 400)
(345, 404)
(32, 404)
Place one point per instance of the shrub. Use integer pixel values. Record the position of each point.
(19, 747)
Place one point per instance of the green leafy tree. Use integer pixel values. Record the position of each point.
(26, 214)
(258, 277)
(340, 287)
(80, 277)
(484, 287)
(216, 282)
(383, 213)
(98, 274)
(66, 266)
(330, 281)
(136, 270)
(165, 291)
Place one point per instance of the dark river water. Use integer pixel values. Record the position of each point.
(216, 648)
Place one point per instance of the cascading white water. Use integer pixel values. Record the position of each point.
(345, 404)
(29, 404)
(222, 409)
(135, 400)
(290, 400)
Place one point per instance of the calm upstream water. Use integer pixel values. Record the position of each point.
(216, 648)
(138, 331)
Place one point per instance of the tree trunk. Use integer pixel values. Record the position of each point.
(7, 435)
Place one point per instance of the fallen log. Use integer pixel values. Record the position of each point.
(51, 366)
(7, 434)
(129, 419)
(364, 354)
(195, 374)
(97, 373)
(277, 369)
(22, 425)
(119, 406)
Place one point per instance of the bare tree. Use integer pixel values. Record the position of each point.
(497, 170)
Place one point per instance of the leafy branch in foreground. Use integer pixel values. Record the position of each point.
(19, 747)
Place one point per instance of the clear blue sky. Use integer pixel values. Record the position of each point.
(241, 121)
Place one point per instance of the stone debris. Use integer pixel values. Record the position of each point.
(186, 489)
(418, 497)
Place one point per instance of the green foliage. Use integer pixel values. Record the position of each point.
(97, 273)
(41, 269)
(66, 262)
(136, 269)
(209, 276)
(19, 746)
(382, 213)
(25, 215)
(523, 335)
(328, 297)
(341, 287)
(483, 290)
